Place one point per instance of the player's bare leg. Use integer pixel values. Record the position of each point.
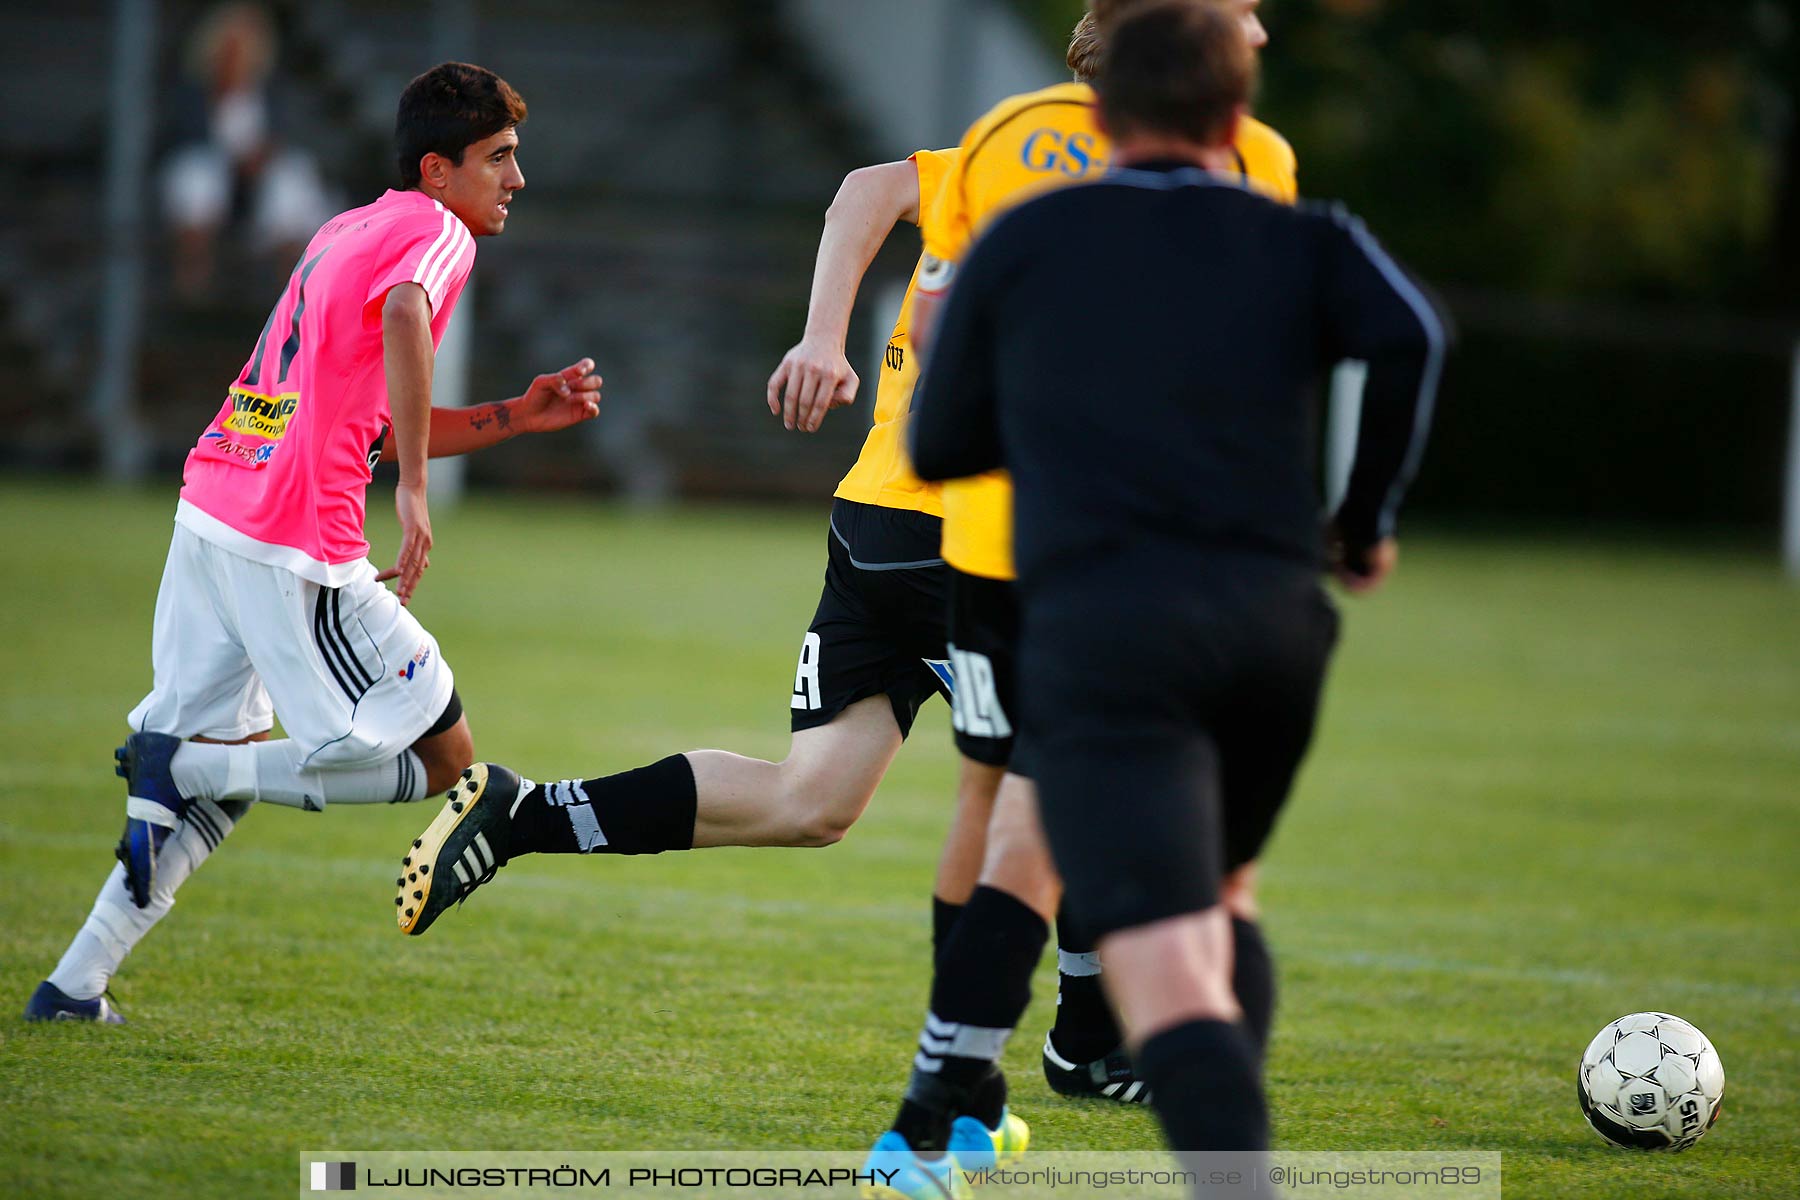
(701, 798)
(809, 798)
(445, 755)
(959, 866)
(1018, 858)
(1169, 972)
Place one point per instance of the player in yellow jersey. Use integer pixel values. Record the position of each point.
(874, 652)
(1024, 146)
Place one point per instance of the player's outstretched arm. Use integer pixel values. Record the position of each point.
(407, 360)
(815, 377)
(555, 400)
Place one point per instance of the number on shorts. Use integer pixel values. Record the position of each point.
(975, 705)
(806, 676)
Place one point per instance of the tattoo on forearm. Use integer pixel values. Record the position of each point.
(491, 414)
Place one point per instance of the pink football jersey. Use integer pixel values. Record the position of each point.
(281, 473)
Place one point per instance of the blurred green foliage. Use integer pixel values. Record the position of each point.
(1555, 148)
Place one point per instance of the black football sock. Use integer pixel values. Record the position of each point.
(978, 993)
(1084, 1029)
(932, 1104)
(1253, 979)
(644, 811)
(925, 1122)
(987, 1103)
(1205, 1087)
(944, 916)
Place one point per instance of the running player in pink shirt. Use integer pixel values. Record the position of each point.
(269, 603)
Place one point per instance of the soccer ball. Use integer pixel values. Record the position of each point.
(1650, 1081)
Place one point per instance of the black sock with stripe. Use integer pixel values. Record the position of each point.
(643, 811)
(1084, 1028)
(979, 990)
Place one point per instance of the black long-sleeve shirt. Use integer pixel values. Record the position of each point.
(1141, 353)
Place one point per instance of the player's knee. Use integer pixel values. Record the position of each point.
(822, 820)
(817, 834)
(819, 804)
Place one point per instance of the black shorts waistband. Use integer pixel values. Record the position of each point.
(887, 539)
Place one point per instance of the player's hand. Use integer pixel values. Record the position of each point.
(560, 399)
(415, 540)
(813, 378)
(1363, 570)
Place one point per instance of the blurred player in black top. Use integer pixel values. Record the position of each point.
(1141, 353)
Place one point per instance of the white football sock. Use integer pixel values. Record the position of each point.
(116, 924)
(222, 781)
(271, 772)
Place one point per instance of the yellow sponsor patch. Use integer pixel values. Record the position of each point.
(261, 416)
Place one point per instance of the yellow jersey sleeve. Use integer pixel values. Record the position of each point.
(882, 473)
(933, 166)
(1267, 161)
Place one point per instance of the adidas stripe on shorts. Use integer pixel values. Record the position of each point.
(353, 676)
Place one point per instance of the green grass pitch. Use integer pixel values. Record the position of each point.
(1555, 782)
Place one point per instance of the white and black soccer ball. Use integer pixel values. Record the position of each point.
(1650, 1081)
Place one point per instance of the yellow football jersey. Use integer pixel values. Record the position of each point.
(1023, 147)
(883, 473)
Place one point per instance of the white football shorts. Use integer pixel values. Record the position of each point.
(352, 674)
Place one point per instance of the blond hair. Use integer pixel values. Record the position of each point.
(1085, 48)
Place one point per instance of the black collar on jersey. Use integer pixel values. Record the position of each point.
(1169, 166)
(1177, 166)
(1164, 165)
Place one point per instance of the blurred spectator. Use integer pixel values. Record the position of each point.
(230, 173)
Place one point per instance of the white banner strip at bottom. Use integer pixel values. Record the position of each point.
(1147, 1174)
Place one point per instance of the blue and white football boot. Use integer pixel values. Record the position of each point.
(153, 807)
(51, 1003)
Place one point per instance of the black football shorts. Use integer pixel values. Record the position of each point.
(984, 638)
(879, 627)
(1167, 721)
